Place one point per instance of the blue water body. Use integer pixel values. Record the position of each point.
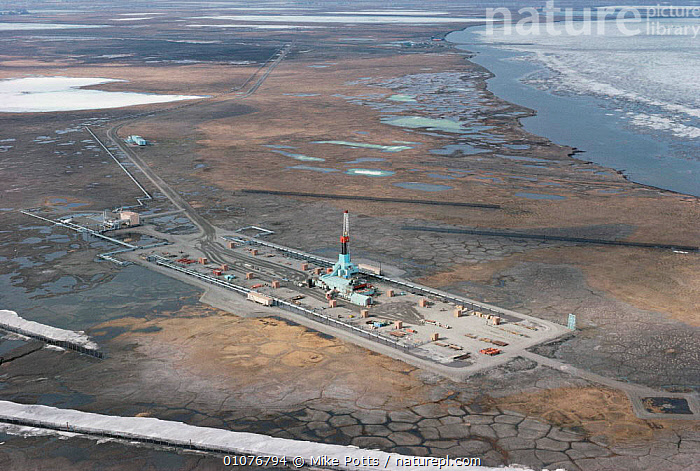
(365, 159)
(440, 176)
(8, 345)
(463, 148)
(422, 186)
(408, 142)
(315, 169)
(493, 179)
(520, 157)
(540, 196)
(583, 122)
(301, 157)
(133, 292)
(63, 202)
(531, 179)
(278, 146)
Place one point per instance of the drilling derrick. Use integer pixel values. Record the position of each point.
(345, 279)
(345, 238)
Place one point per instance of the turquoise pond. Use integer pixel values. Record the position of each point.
(403, 98)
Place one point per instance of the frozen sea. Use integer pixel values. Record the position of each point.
(47, 94)
(630, 102)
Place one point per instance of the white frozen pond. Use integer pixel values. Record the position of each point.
(46, 94)
(369, 19)
(133, 18)
(254, 26)
(38, 26)
(391, 12)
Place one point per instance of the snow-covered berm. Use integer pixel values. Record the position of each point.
(234, 442)
(11, 319)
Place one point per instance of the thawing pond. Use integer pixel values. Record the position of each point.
(436, 124)
(364, 145)
(47, 94)
(462, 148)
(540, 196)
(301, 157)
(314, 169)
(521, 157)
(402, 98)
(365, 159)
(369, 172)
(422, 186)
(42, 26)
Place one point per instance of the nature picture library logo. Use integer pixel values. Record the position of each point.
(653, 20)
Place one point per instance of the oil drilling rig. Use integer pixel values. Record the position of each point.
(345, 280)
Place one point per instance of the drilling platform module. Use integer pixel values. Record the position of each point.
(345, 280)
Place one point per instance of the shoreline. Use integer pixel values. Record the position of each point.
(471, 54)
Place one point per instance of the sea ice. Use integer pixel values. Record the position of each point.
(654, 74)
